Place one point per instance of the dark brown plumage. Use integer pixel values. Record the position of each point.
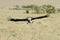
(27, 19)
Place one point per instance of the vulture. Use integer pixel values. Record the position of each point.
(29, 19)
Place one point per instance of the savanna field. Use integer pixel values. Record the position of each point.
(41, 29)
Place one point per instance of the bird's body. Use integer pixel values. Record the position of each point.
(29, 20)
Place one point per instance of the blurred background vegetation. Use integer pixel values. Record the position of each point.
(49, 9)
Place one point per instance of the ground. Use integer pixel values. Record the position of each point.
(41, 29)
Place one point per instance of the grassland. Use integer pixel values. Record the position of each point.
(41, 29)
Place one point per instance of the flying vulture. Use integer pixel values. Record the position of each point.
(29, 19)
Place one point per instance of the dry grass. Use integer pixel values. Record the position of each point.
(44, 29)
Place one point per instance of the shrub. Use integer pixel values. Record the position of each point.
(49, 8)
(27, 11)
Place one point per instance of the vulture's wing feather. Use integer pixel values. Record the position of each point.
(40, 17)
(18, 19)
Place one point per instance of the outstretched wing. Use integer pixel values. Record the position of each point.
(40, 17)
(18, 20)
